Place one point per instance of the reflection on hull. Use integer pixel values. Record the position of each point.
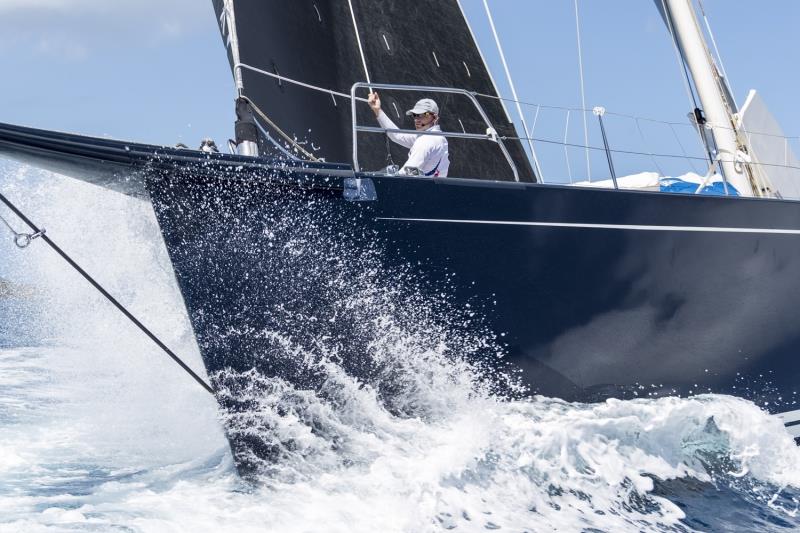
(589, 293)
(592, 293)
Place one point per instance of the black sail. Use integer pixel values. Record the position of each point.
(404, 42)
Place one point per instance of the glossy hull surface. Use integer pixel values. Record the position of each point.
(592, 293)
(578, 293)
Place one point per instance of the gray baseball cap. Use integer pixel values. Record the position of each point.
(426, 105)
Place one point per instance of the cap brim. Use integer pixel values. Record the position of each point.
(415, 111)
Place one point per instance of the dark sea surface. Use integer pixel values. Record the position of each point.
(100, 432)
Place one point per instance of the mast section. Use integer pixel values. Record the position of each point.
(690, 40)
(227, 22)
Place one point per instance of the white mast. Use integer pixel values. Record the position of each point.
(227, 22)
(682, 15)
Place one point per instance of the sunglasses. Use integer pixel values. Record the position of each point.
(415, 115)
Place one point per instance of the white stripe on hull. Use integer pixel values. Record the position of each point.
(789, 416)
(635, 227)
(794, 431)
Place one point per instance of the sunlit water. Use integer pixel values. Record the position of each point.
(100, 432)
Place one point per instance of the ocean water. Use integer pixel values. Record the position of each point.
(100, 432)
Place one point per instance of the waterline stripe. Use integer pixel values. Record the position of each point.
(791, 421)
(790, 416)
(634, 227)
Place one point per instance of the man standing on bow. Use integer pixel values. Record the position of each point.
(428, 155)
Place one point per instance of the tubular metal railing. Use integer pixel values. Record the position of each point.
(491, 133)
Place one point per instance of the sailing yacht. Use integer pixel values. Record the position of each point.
(277, 246)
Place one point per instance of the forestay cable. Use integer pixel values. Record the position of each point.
(40, 233)
(513, 90)
(358, 40)
(566, 145)
(583, 89)
(716, 52)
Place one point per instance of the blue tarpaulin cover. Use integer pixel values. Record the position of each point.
(716, 188)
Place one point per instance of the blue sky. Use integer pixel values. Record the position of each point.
(156, 71)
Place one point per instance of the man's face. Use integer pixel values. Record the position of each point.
(424, 121)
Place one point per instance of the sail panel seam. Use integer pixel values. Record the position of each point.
(483, 58)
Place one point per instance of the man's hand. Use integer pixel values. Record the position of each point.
(374, 102)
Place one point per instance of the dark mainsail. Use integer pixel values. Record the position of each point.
(410, 43)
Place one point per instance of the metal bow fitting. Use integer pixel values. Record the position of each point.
(22, 240)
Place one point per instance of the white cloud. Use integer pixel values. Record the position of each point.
(120, 7)
(11, 5)
(74, 29)
(69, 50)
(43, 6)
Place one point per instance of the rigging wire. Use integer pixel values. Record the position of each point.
(636, 152)
(369, 80)
(645, 144)
(295, 82)
(513, 89)
(41, 233)
(708, 143)
(480, 53)
(682, 64)
(729, 97)
(583, 89)
(495, 97)
(623, 115)
(535, 120)
(283, 134)
(566, 146)
(275, 143)
(678, 140)
(358, 40)
(10, 227)
(22, 240)
(716, 52)
(539, 107)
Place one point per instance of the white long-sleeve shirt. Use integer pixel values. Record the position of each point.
(428, 153)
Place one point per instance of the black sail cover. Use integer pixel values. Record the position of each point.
(408, 42)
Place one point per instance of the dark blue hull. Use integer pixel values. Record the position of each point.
(587, 294)
(592, 293)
